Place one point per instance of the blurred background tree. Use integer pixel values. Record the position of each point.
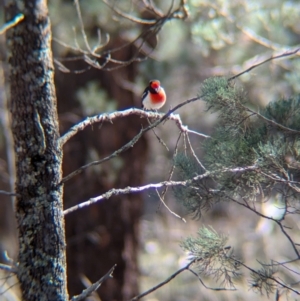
(218, 38)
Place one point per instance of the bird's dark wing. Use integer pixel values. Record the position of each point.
(146, 91)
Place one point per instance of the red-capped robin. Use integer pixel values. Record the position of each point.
(154, 96)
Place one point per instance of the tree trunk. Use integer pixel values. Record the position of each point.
(42, 263)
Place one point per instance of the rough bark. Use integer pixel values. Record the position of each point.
(41, 269)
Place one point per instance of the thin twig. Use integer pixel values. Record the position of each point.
(104, 117)
(264, 276)
(109, 117)
(7, 193)
(78, 10)
(288, 53)
(152, 28)
(85, 293)
(137, 189)
(193, 153)
(172, 212)
(129, 17)
(151, 290)
(8, 268)
(272, 219)
(272, 121)
(211, 288)
(124, 148)
(171, 171)
(158, 138)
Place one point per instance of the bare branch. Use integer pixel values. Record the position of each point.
(247, 31)
(94, 286)
(150, 28)
(8, 268)
(158, 138)
(276, 178)
(172, 212)
(193, 153)
(272, 121)
(288, 53)
(110, 117)
(151, 290)
(116, 153)
(282, 264)
(129, 189)
(172, 169)
(272, 219)
(7, 193)
(288, 237)
(129, 17)
(271, 278)
(211, 288)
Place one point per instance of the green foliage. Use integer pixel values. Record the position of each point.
(285, 112)
(262, 281)
(244, 29)
(265, 153)
(194, 197)
(245, 141)
(227, 99)
(212, 256)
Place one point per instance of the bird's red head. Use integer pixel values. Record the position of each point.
(154, 84)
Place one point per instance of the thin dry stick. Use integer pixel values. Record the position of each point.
(247, 31)
(289, 53)
(193, 152)
(85, 293)
(272, 219)
(87, 45)
(129, 189)
(264, 276)
(120, 150)
(129, 17)
(154, 26)
(211, 288)
(8, 193)
(109, 117)
(171, 171)
(272, 121)
(158, 138)
(172, 212)
(151, 290)
(124, 148)
(8, 268)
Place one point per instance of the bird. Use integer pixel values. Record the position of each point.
(154, 96)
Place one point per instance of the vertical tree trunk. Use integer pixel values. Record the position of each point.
(42, 269)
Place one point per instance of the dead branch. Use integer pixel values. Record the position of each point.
(129, 189)
(131, 143)
(150, 28)
(94, 286)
